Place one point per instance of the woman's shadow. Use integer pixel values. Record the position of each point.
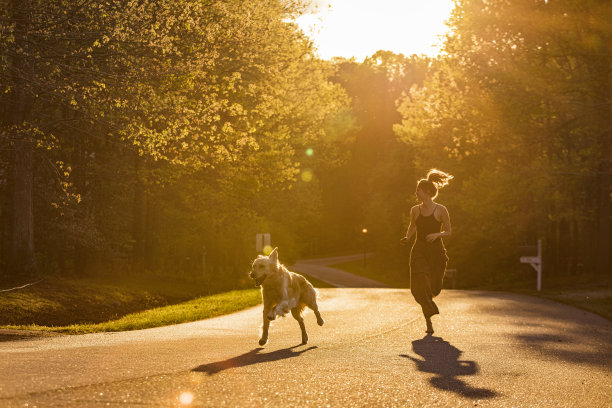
(442, 359)
(252, 357)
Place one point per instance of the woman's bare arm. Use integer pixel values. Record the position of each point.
(446, 224)
(411, 227)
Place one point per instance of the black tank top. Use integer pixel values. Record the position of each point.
(427, 224)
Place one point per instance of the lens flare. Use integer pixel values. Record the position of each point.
(186, 398)
(310, 152)
(267, 249)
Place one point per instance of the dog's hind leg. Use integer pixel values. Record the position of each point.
(313, 305)
(310, 300)
(297, 314)
(264, 330)
(320, 320)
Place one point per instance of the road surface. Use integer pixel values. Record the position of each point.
(320, 268)
(489, 349)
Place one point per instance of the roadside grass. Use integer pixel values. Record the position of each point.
(589, 292)
(197, 309)
(117, 302)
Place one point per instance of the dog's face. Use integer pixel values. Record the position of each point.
(263, 267)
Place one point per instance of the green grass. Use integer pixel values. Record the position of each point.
(198, 309)
(117, 302)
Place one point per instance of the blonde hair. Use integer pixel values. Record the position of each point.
(436, 179)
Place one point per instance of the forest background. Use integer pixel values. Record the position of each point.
(157, 138)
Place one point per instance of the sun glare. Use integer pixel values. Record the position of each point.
(186, 398)
(359, 28)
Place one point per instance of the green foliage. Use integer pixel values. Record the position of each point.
(518, 110)
(161, 136)
(371, 187)
(163, 127)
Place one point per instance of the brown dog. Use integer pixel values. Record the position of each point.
(282, 291)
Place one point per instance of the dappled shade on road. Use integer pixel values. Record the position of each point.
(252, 357)
(442, 358)
(560, 335)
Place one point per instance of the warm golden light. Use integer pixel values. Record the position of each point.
(186, 398)
(365, 230)
(359, 28)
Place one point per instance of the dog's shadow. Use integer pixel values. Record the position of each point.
(442, 358)
(252, 357)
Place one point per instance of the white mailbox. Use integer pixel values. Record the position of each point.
(536, 263)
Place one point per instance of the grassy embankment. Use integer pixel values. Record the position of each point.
(588, 292)
(85, 305)
(104, 304)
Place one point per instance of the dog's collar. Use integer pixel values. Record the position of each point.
(259, 282)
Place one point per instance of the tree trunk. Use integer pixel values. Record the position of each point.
(149, 240)
(139, 219)
(22, 260)
(603, 253)
(81, 253)
(603, 90)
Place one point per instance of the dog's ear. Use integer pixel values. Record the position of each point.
(274, 256)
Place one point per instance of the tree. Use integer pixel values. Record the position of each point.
(370, 188)
(171, 87)
(516, 108)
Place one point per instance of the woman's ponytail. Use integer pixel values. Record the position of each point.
(435, 180)
(438, 177)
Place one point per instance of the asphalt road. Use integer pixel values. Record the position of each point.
(490, 349)
(320, 268)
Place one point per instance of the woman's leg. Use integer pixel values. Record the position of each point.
(421, 290)
(420, 286)
(437, 274)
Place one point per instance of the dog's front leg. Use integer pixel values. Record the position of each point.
(282, 308)
(264, 329)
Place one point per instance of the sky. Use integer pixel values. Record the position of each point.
(359, 28)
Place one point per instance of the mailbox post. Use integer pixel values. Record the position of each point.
(261, 242)
(536, 263)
